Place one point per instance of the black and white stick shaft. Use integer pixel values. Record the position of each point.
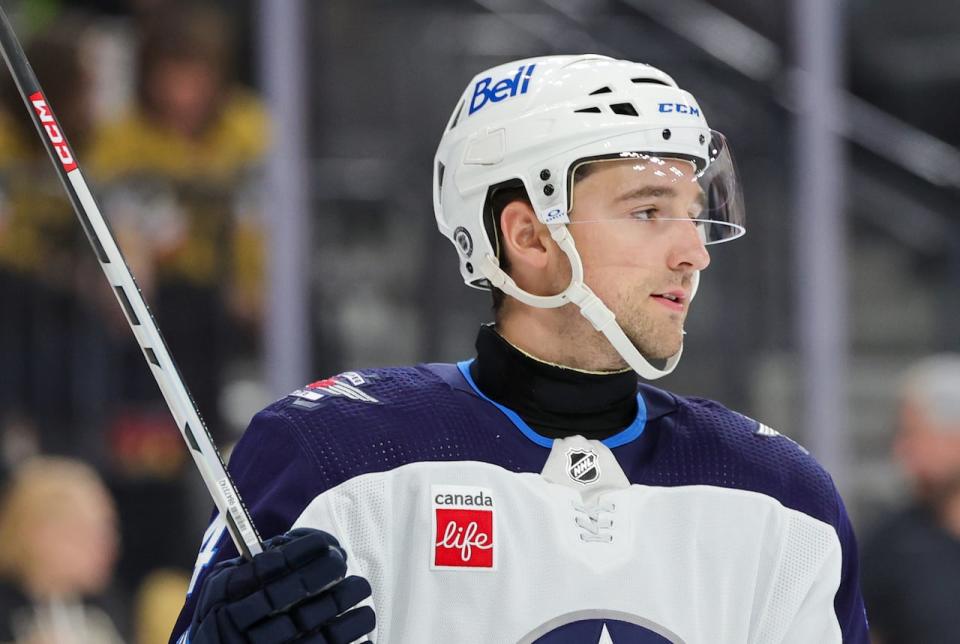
(144, 327)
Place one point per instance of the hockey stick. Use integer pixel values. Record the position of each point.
(141, 321)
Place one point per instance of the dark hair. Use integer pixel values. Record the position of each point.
(498, 197)
(183, 32)
(584, 170)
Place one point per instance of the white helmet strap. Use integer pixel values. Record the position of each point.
(591, 306)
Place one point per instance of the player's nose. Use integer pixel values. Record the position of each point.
(688, 249)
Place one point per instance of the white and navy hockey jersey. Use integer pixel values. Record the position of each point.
(694, 524)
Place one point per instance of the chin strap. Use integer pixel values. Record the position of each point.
(591, 306)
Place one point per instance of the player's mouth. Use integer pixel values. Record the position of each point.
(674, 300)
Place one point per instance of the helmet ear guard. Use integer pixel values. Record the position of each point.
(528, 124)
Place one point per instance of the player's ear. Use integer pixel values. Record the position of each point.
(526, 240)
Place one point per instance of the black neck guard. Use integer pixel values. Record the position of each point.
(554, 400)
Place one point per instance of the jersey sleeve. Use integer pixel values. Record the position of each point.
(848, 602)
(276, 478)
(814, 620)
(822, 561)
(825, 569)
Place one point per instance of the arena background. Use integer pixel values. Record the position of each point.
(321, 254)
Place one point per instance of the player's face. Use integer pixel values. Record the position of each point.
(632, 223)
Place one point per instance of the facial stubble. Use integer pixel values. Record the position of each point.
(657, 334)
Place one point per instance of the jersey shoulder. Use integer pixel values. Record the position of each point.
(396, 396)
(747, 454)
(374, 420)
(408, 400)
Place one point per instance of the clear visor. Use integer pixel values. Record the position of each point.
(661, 191)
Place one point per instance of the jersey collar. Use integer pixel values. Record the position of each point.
(630, 433)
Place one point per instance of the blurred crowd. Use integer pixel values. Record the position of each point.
(911, 559)
(172, 145)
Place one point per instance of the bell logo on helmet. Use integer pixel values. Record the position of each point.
(679, 108)
(505, 88)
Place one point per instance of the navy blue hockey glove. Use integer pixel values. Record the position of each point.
(294, 591)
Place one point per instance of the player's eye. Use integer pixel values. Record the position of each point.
(644, 214)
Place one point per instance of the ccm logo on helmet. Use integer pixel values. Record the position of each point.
(505, 88)
(53, 131)
(679, 108)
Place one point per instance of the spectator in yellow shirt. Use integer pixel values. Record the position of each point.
(178, 180)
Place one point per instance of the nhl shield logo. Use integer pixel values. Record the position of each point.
(583, 466)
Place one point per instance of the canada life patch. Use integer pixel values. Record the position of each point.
(463, 528)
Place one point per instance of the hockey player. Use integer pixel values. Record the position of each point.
(539, 493)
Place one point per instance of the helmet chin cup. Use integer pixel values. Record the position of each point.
(591, 306)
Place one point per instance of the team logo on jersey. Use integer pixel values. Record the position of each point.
(600, 627)
(463, 528)
(583, 465)
(345, 385)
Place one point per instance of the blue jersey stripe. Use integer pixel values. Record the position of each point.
(630, 433)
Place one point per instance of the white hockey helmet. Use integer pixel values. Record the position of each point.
(535, 121)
